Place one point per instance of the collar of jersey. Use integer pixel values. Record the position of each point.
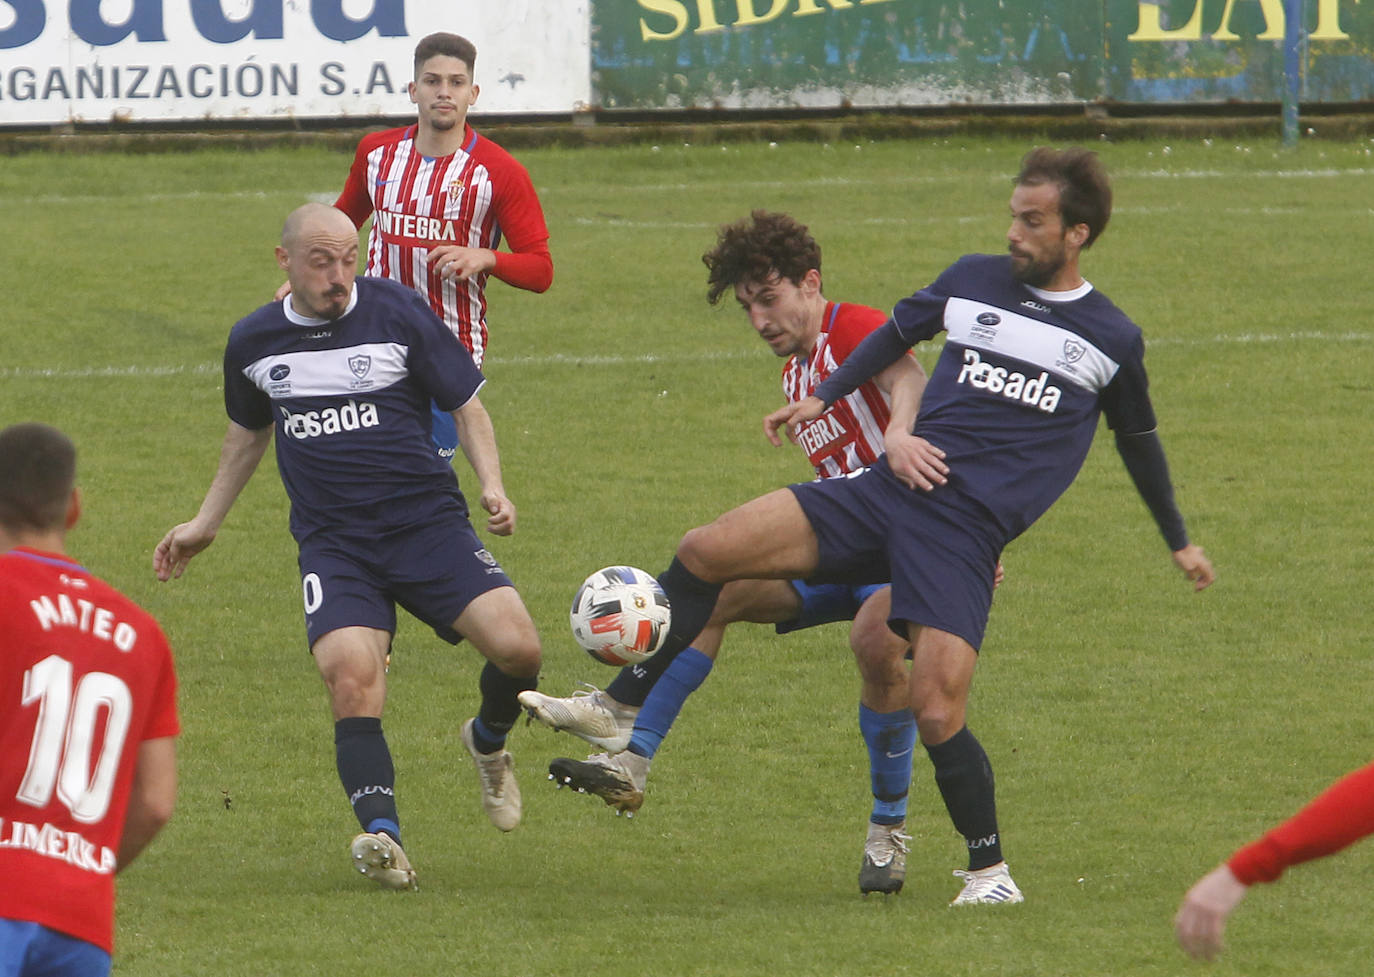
(305, 320)
(1072, 295)
(53, 559)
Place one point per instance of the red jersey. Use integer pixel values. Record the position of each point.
(471, 198)
(848, 436)
(85, 677)
(1341, 815)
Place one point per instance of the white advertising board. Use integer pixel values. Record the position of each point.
(163, 60)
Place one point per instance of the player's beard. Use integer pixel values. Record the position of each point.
(443, 123)
(1037, 272)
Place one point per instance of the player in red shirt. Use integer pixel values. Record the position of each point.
(441, 198)
(772, 265)
(1340, 816)
(87, 723)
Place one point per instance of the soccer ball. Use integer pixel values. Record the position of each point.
(620, 615)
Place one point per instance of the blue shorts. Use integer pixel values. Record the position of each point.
(33, 950)
(939, 557)
(824, 603)
(443, 431)
(434, 571)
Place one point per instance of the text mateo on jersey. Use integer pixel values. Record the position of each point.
(64, 612)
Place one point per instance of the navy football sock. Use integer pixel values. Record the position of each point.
(890, 738)
(500, 708)
(368, 777)
(964, 776)
(682, 678)
(691, 601)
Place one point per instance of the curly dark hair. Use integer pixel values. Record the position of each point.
(754, 249)
(1085, 193)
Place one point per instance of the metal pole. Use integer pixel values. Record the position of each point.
(1292, 69)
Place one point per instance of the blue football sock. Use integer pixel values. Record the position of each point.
(891, 738)
(377, 825)
(683, 677)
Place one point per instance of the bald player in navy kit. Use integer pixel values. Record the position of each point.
(1033, 356)
(344, 370)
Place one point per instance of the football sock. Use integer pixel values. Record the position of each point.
(500, 708)
(368, 777)
(964, 776)
(691, 600)
(891, 738)
(683, 677)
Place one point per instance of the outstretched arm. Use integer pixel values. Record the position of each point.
(1143, 455)
(478, 440)
(238, 459)
(1341, 815)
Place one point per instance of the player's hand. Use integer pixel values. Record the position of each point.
(998, 575)
(1195, 566)
(1201, 919)
(283, 290)
(460, 263)
(792, 417)
(176, 549)
(501, 513)
(916, 462)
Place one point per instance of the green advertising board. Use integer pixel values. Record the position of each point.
(832, 53)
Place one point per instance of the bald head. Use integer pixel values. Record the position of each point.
(314, 218)
(319, 253)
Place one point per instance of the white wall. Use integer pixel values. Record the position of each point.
(162, 60)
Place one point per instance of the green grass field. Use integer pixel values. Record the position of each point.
(1139, 732)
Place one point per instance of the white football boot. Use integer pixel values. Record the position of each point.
(594, 716)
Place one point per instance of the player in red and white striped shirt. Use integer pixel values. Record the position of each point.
(442, 198)
(773, 267)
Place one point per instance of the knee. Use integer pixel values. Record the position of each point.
(878, 652)
(355, 689)
(697, 551)
(518, 654)
(937, 717)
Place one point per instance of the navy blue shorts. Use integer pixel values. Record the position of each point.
(434, 571)
(941, 560)
(824, 603)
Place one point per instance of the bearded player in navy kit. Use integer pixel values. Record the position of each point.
(347, 367)
(1033, 355)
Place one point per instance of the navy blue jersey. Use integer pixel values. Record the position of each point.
(1014, 399)
(350, 399)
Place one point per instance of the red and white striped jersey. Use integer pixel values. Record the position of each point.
(848, 436)
(472, 198)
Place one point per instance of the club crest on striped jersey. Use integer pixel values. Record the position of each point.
(1073, 350)
(360, 365)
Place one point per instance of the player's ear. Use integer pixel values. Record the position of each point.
(73, 509)
(1078, 234)
(283, 261)
(811, 281)
(410, 90)
(476, 90)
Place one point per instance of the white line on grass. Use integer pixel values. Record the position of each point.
(328, 196)
(555, 359)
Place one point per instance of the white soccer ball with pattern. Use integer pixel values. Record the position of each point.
(620, 615)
